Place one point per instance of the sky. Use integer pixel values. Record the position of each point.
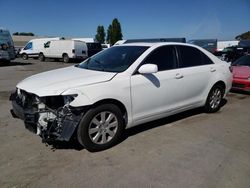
(192, 19)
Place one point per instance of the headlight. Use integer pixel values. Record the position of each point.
(69, 98)
(249, 78)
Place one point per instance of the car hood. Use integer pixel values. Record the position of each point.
(241, 72)
(57, 81)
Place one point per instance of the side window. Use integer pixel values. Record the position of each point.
(189, 57)
(164, 57)
(47, 44)
(28, 46)
(206, 60)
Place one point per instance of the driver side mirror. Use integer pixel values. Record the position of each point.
(148, 69)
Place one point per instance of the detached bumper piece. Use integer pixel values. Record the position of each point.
(50, 124)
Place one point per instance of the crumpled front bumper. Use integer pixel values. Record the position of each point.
(31, 117)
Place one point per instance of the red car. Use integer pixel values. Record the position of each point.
(241, 73)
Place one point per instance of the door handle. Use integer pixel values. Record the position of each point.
(179, 76)
(212, 69)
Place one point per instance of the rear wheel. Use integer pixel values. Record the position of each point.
(41, 57)
(65, 58)
(101, 127)
(25, 56)
(215, 96)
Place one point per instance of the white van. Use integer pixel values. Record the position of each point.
(65, 49)
(7, 50)
(34, 46)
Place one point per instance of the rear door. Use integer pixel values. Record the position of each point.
(196, 71)
(80, 49)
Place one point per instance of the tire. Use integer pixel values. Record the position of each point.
(25, 56)
(41, 57)
(214, 99)
(65, 58)
(101, 127)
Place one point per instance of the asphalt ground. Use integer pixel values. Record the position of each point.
(191, 149)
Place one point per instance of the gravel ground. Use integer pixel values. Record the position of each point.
(191, 149)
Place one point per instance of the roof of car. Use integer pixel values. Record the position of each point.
(155, 44)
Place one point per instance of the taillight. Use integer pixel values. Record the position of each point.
(73, 51)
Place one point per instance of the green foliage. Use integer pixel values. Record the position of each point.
(243, 36)
(114, 32)
(23, 34)
(109, 34)
(100, 36)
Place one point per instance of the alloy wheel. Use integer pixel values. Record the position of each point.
(103, 127)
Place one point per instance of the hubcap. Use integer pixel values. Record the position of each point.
(215, 98)
(103, 127)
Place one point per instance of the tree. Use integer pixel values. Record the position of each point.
(109, 34)
(100, 36)
(243, 36)
(114, 32)
(23, 34)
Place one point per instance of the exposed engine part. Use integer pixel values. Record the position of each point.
(44, 118)
(50, 117)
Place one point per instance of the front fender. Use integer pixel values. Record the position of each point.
(80, 100)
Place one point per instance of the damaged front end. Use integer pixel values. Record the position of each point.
(50, 117)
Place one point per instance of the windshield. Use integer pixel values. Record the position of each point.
(115, 59)
(243, 61)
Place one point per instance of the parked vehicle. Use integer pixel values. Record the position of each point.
(208, 44)
(64, 49)
(118, 88)
(105, 46)
(93, 48)
(34, 47)
(119, 42)
(4, 55)
(231, 54)
(7, 50)
(241, 73)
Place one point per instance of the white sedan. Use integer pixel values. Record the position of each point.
(118, 88)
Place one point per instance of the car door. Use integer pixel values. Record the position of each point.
(155, 94)
(196, 70)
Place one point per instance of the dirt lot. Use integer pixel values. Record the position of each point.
(192, 149)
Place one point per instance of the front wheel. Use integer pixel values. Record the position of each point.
(214, 99)
(101, 127)
(24, 56)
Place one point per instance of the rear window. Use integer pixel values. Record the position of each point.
(190, 57)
